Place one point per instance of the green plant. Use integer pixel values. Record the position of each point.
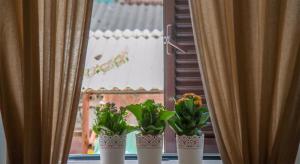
(151, 117)
(190, 115)
(111, 121)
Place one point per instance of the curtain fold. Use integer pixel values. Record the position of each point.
(249, 56)
(42, 55)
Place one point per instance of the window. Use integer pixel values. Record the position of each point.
(127, 62)
(182, 73)
(124, 65)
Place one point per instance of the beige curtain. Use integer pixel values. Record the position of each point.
(249, 54)
(42, 55)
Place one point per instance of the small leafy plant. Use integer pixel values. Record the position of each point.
(111, 121)
(190, 115)
(151, 117)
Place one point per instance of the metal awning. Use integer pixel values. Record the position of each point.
(116, 16)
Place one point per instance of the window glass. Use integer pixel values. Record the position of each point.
(124, 65)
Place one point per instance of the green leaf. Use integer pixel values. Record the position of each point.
(174, 126)
(135, 109)
(130, 129)
(189, 103)
(155, 128)
(186, 116)
(146, 118)
(166, 115)
(204, 118)
(203, 109)
(106, 129)
(178, 107)
(191, 124)
(149, 104)
(151, 116)
(109, 121)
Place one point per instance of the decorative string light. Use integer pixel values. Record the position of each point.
(117, 61)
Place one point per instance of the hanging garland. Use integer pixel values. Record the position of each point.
(115, 62)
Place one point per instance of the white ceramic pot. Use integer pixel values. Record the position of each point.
(190, 149)
(112, 149)
(149, 149)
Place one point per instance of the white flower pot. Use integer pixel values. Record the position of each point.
(190, 149)
(112, 149)
(149, 149)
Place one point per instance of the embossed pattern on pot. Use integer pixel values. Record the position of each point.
(111, 142)
(149, 141)
(189, 142)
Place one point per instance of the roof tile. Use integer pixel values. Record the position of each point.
(122, 17)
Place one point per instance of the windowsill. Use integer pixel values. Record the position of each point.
(132, 159)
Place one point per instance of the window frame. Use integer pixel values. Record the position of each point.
(169, 74)
(170, 11)
(169, 93)
(165, 157)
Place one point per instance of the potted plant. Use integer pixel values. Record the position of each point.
(152, 119)
(112, 128)
(190, 117)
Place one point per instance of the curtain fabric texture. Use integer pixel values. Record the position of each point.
(42, 55)
(249, 55)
